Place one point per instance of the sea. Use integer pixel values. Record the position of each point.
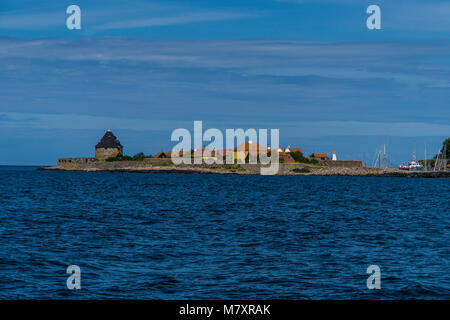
(193, 236)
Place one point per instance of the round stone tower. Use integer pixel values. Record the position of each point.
(108, 147)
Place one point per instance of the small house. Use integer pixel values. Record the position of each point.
(319, 156)
(162, 155)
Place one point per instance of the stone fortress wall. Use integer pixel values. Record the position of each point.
(342, 163)
(93, 164)
(152, 165)
(75, 162)
(105, 153)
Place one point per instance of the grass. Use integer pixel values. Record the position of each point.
(232, 167)
(163, 164)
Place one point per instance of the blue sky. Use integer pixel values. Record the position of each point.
(143, 68)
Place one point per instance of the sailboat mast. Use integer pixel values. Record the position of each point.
(425, 160)
(444, 157)
(436, 162)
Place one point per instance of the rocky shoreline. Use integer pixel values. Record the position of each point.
(299, 169)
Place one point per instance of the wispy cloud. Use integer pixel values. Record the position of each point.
(97, 19)
(247, 81)
(280, 60)
(303, 128)
(188, 18)
(399, 15)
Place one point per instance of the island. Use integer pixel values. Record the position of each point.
(109, 158)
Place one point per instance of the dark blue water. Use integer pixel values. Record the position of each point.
(162, 236)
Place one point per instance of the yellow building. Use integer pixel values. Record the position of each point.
(240, 156)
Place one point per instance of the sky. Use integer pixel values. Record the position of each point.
(144, 68)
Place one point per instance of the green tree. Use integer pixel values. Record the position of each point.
(122, 158)
(446, 148)
(139, 156)
(298, 157)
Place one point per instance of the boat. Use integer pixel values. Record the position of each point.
(403, 166)
(412, 166)
(415, 166)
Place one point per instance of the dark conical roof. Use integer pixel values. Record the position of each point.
(109, 140)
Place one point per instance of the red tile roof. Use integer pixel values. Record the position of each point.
(163, 155)
(319, 156)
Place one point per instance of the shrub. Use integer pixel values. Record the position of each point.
(139, 156)
(298, 157)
